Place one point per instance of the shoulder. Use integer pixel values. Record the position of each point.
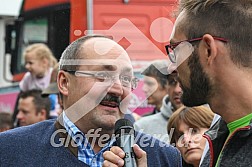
(147, 120)
(27, 135)
(27, 76)
(26, 79)
(158, 153)
(48, 74)
(206, 160)
(26, 144)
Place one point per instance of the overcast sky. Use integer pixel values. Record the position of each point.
(10, 7)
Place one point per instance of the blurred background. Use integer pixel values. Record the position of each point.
(142, 27)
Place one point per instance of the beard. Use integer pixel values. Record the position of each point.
(200, 88)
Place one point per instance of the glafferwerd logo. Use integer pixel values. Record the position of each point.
(123, 28)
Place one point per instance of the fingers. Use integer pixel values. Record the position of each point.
(114, 157)
(140, 155)
(118, 151)
(109, 164)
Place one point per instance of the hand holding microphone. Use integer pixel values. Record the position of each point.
(125, 138)
(126, 153)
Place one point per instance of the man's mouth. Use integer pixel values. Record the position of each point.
(110, 101)
(109, 104)
(21, 123)
(177, 98)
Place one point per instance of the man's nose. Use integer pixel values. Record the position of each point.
(20, 115)
(178, 89)
(117, 87)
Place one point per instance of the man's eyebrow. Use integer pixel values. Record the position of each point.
(113, 68)
(127, 69)
(109, 67)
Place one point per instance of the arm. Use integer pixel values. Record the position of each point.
(23, 83)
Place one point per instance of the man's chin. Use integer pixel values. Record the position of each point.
(22, 124)
(191, 99)
(109, 121)
(191, 102)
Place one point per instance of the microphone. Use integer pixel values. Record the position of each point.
(125, 135)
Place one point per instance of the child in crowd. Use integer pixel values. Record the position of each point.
(39, 61)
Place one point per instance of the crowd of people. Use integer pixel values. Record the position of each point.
(66, 110)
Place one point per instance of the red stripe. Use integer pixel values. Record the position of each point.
(211, 149)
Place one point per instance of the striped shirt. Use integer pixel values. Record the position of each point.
(85, 152)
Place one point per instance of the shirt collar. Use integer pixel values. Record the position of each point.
(85, 151)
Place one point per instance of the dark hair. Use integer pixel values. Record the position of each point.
(5, 120)
(39, 101)
(152, 71)
(230, 19)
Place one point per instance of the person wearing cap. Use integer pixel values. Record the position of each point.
(95, 81)
(155, 84)
(156, 124)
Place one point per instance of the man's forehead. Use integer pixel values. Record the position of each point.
(150, 79)
(177, 24)
(103, 47)
(113, 55)
(108, 67)
(27, 100)
(90, 62)
(104, 52)
(100, 64)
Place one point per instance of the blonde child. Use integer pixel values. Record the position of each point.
(39, 61)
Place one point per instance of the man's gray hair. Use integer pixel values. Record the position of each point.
(73, 50)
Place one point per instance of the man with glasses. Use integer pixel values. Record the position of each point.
(215, 55)
(95, 80)
(211, 49)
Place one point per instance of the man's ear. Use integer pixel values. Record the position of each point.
(210, 48)
(62, 81)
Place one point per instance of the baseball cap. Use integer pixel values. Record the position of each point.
(160, 65)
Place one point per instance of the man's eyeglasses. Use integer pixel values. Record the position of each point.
(171, 51)
(107, 76)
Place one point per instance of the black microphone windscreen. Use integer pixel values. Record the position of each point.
(124, 124)
(125, 137)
